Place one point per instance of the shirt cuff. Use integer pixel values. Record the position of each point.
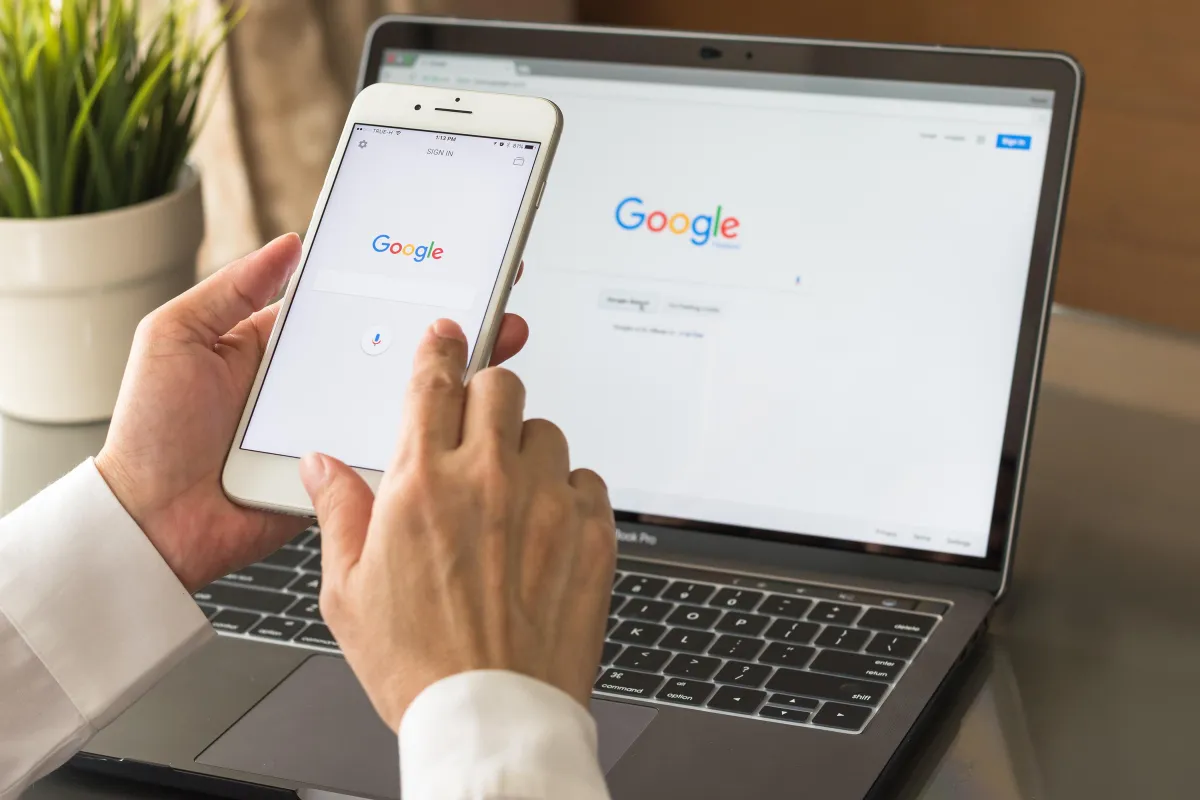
(498, 734)
(92, 597)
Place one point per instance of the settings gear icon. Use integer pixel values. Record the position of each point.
(362, 143)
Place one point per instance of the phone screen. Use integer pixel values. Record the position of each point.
(415, 229)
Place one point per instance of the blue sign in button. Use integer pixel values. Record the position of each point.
(1010, 141)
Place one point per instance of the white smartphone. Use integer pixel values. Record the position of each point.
(424, 214)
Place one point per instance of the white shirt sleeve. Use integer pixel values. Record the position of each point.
(90, 618)
(494, 735)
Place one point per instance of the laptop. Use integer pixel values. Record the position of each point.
(789, 298)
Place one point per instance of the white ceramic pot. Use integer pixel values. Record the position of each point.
(72, 291)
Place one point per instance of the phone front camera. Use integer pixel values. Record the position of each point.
(457, 99)
(417, 107)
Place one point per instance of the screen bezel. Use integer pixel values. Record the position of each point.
(1055, 72)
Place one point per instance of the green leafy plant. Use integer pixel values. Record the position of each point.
(99, 105)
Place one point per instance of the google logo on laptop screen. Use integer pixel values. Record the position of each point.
(717, 228)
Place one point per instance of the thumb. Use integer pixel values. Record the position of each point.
(211, 308)
(343, 504)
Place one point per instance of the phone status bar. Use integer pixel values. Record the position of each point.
(380, 131)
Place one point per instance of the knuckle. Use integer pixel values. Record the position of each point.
(550, 514)
(543, 430)
(435, 381)
(498, 380)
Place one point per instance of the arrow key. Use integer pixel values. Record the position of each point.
(839, 715)
(735, 698)
(789, 714)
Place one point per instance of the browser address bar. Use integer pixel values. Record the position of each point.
(420, 292)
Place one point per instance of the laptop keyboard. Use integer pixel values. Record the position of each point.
(782, 651)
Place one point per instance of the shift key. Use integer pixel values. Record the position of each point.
(219, 594)
(827, 687)
(628, 682)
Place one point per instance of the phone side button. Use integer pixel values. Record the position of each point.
(541, 189)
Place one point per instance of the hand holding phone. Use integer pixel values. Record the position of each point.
(424, 215)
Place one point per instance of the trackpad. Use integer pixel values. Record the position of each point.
(318, 728)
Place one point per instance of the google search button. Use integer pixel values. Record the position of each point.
(1008, 141)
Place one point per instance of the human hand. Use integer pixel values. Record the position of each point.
(480, 550)
(189, 374)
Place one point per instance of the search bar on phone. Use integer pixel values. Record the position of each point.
(437, 294)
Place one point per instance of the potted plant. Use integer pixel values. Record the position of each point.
(100, 213)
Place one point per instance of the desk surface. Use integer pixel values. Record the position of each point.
(1088, 687)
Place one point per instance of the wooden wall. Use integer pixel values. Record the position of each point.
(1132, 240)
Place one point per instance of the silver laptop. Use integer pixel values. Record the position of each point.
(789, 297)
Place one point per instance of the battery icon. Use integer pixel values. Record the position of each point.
(528, 147)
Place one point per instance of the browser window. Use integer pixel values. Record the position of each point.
(415, 229)
(791, 305)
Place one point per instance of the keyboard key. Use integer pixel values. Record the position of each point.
(314, 543)
(642, 658)
(691, 693)
(743, 674)
(787, 655)
(737, 599)
(302, 537)
(317, 635)
(313, 564)
(826, 687)
(791, 701)
(930, 607)
(261, 577)
(795, 632)
(209, 611)
(782, 606)
(307, 583)
(612, 623)
(689, 666)
(876, 668)
(650, 610)
(610, 652)
(841, 613)
(627, 682)
(880, 619)
(687, 641)
(617, 577)
(614, 604)
(287, 557)
(889, 644)
(737, 647)
(684, 592)
(789, 714)
(239, 597)
(278, 628)
(836, 715)
(897, 602)
(843, 638)
(234, 621)
(641, 585)
(306, 608)
(737, 698)
(643, 633)
(694, 616)
(742, 624)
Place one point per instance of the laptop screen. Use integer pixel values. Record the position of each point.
(777, 302)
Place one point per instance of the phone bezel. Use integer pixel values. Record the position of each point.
(272, 482)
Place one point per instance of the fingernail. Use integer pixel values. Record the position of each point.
(313, 471)
(448, 329)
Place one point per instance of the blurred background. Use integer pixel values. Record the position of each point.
(1132, 240)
